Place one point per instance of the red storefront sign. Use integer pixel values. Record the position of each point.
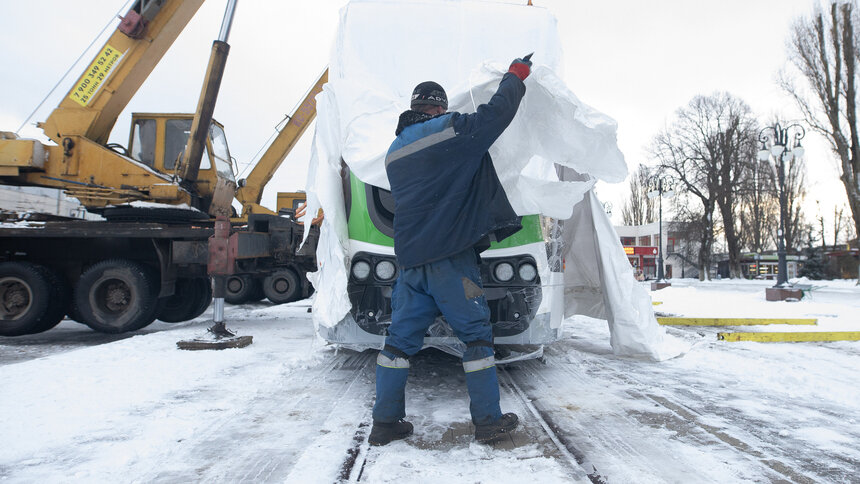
(640, 250)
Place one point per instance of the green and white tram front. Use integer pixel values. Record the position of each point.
(512, 272)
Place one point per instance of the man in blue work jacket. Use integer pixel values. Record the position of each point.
(448, 206)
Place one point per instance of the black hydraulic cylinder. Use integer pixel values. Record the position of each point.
(203, 115)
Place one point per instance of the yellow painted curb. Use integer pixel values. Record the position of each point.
(656, 303)
(731, 321)
(791, 337)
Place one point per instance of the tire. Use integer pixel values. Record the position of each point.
(282, 286)
(204, 296)
(259, 294)
(241, 288)
(154, 276)
(190, 299)
(61, 296)
(116, 296)
(25, 298)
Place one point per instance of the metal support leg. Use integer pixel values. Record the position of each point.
(219, 329)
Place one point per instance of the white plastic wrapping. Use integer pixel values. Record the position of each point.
(380, 56)
(599, 282)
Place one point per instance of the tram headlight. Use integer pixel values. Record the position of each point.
(528, 271)
(360, 270)
(504, 271)
(385, 270)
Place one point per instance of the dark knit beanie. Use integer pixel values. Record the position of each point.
(429, 92)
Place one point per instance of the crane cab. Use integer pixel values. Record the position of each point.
(158, 141)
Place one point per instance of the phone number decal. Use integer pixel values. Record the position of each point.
(95, 76)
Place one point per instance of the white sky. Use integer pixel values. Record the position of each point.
(636, 61)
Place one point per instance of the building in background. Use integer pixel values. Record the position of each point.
(642, 246)
(763, 265)
(842, 262)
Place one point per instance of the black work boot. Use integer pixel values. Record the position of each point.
(490, 433)
(383, 433)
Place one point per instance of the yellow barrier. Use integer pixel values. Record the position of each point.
(731, 321)
(791, 337)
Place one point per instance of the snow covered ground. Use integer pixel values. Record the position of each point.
(77, 406)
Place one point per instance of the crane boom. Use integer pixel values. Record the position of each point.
(101, 175)
(94, 102)
(250, 192)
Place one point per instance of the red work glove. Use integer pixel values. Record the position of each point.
(521, 67)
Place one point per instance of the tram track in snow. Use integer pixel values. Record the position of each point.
(292, 409)
(536, 427)
(574, 456)
(690, 413)
(591, 442)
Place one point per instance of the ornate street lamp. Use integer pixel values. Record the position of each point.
(660, 186)
(783, 145)
(607, 207)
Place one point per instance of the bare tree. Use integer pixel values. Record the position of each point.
(758, 207)
(687, 230)
(638, 209)
(824, 48)
(708, 148)
(850, 234)
(839, 223)
(819, 218)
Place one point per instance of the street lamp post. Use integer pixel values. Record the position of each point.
(783, 145)
(660, 186)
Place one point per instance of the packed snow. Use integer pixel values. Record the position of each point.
(79, 406)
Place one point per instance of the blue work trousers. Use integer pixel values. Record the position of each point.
(453, 287)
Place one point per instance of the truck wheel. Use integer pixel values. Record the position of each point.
(116, 296)
(259, 294)
(241, 288)
(204, 296)
(282, 286)
(186, 301)
(61, 296)
(154, 277)
(25, 294)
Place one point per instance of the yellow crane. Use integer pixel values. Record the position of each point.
(163, 162)
(144, 262)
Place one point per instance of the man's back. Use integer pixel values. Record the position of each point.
(446, 192)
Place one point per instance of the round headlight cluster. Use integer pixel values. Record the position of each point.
(361, 269)
(385, 270)
(528, 271)
(504, 271)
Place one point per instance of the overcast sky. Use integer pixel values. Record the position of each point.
(635, 61)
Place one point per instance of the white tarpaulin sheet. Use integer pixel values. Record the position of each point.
(383, 49)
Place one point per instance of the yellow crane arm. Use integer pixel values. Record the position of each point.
(94, 102)
(250, 191)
